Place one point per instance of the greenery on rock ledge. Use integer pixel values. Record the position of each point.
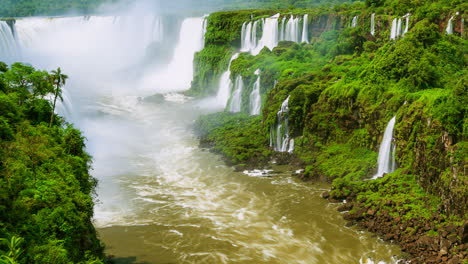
(46, 191)
(345, 86)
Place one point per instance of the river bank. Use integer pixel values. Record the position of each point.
(394, 207)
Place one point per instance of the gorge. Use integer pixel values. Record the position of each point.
(312, 90)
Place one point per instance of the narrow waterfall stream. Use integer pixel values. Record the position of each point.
(161, 199)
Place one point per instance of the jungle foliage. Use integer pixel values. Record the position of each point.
(46, 191)
(346, 84)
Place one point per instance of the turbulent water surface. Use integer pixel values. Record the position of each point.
(161, 198)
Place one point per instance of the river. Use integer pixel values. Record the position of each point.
(160, 198)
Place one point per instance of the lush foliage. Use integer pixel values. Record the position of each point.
(46, 191)
(239, 137)
(346, 85)
(21, 8)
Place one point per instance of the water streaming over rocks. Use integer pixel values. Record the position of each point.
(255, 98)
(397, 24)
(161, 198)
(225, 85)
(236, 97)
(372, 27)
(273, 31)
(386, 160)
(354, 22)
(279, 133)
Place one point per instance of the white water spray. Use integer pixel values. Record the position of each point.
(372, 26)
(387, 151)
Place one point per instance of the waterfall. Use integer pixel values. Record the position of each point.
(372, 26)
(225, 84)
(354, 22)
(255, 98)
(269, 37)
(407, 18)
(178, 74)
(9, 50)
(305, 29)
(397, 25)
(236, 97)
(279, 133)
(292, 29)
(273, 31)
(449, 28)
(386, 159)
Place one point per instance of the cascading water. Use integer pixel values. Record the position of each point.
(372, 26)
(255, 98)
(279, 134)
(177, 76)
(292, 29)
(269, 37)
(449, 28)
(387, 151)
(162, 199)
(396, 30)
(354, 22)
(273, 31)
(9, 49)
(305, 29)
(249, 36)
(236, 97)
(225, 84)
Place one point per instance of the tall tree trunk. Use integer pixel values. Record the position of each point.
(53, 107)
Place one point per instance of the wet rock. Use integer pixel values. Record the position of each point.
(345, 207)
(325, 195)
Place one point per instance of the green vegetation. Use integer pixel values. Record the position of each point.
(22, 8)
(239, 146)
(345, 86)
(46, 191)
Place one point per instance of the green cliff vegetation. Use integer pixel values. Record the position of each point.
(344, 87)
(46, 202)
(22, 8)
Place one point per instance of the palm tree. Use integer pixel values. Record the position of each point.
(58, 79)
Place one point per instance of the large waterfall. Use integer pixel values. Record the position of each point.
(161, 198)
(279, 133)
(255, 98)
(386, 160)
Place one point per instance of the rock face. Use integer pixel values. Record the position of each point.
(340, 105)
(443, 246)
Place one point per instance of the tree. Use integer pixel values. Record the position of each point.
(58, 79)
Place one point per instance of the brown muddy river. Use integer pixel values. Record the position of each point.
(164, 200)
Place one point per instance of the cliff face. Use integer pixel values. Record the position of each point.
(356, 70)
